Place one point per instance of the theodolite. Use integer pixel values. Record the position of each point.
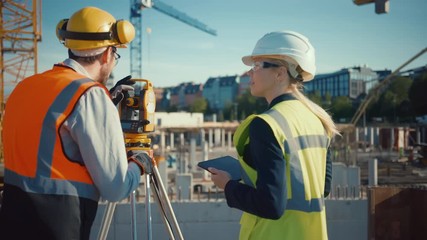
(136, 112)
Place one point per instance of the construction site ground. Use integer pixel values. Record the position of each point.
(392, 168)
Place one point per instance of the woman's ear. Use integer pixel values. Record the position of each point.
(282, 73)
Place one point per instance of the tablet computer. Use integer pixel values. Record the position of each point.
(225, 163)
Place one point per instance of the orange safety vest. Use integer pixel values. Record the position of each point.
(33, 152)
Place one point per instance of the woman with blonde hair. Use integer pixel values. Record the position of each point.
(283, 152)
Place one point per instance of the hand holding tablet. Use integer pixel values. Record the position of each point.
(225, 163)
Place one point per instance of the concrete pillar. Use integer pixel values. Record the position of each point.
(192, 152)
(210, 138)
(162, 141)
(407, 137)
(371, 136)
(357, 134)
(184, 185)
(365, 133)
(222, 137)
(377, 136)
(353, 178)
(229, 139)
(373, 172)
(181, 139)
(365, 137)
(391, 139)
(205, 153)
(202, 137)
(347, 145)
(162, 166)
(217, 136)
(172, 139)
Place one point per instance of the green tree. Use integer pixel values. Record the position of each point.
(341, 108)
(315, 97)
(392, 103)
(220, 117)
(228, 111)
(248, 104)
(199, 105)
(327, 101)
(172, 108)
(418, 96)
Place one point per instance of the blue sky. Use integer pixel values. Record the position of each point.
(343, 34)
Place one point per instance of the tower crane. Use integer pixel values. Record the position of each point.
(136, 8)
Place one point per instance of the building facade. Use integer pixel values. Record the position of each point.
(244, 83)
(184, 95)
(220, 92)
(349, 82)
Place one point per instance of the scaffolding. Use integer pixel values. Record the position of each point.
(20, 31)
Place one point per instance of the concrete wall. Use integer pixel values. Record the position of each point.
(213, 220)
(178, 119)
(347, 219)
(345, 181)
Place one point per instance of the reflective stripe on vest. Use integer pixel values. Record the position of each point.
(300, 214)
(240, 139)
(297, 201)
(45, 169)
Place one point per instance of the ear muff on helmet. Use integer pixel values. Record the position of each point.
(121, 32)
(125, 31)
(61, 26)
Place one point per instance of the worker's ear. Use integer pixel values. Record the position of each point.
(107, 56)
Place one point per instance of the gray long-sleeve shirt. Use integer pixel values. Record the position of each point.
(92, 134)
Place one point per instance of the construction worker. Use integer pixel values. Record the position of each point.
(63, 142)
(283, 151)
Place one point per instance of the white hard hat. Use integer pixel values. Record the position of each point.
(290, 46)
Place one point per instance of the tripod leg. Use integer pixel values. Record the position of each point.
(163, 213)
(106, 220)
(165, 203)
(133, 215)
(148, 206)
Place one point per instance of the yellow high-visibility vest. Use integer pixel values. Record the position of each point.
(304, 143)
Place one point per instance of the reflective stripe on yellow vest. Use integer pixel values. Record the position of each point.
(34, 156)
(304, 217)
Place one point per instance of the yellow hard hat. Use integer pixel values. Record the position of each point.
(91, 28)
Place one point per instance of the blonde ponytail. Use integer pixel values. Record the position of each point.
(296, 88)
(324, 117)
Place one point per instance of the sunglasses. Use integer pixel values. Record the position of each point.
(258, 65)
(116, 55)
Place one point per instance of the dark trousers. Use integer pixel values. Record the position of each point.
(26, 215)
